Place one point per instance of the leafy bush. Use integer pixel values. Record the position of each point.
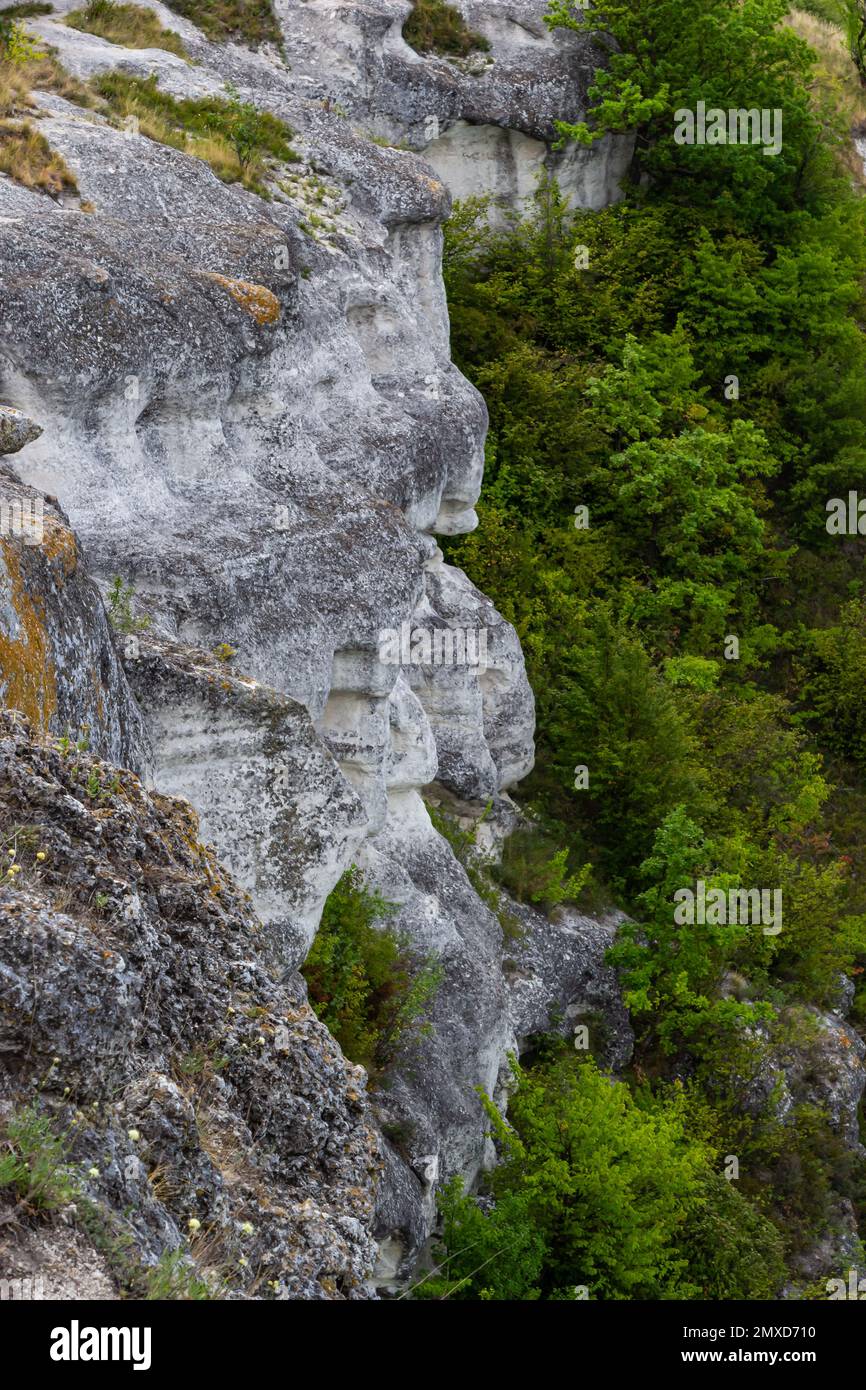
(535, 871)
(592, 1191)
(120, 613)
(16, 46)
(362, 979)
(733, 1251)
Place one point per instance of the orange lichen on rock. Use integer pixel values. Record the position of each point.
(58, 544)
(258, 301)
(28, 680)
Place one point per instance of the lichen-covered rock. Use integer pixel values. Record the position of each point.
(16, 430)
(195, 1083)
(487, 122)
(58, 661)
(559, 983)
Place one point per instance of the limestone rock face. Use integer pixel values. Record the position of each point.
(250, 415)
(268, 791)
(485, 122)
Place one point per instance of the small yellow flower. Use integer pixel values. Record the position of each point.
(243, 1261)
(40, 854)
(247, 1228)
(134, 1135)
(194, 1224)
(93, 1172)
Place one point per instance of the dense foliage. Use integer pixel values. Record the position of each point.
(362, 978)
(677, 388)
(597, 1192)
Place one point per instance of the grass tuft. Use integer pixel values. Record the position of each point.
(239, 142)
(252, 21)
(133, 26)
(436, 27)
(27, 157)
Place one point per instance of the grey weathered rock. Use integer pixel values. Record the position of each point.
(137, 989)
(269, 794)
(16, 430)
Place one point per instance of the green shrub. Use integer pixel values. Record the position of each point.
(436, 27)
(594, 1193)
(363, 981)
(252, 21)
(535, 871)
(16, 46)
(119, 607)
(732, 1250)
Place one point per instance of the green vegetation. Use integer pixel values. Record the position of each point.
(173, 1277)
(16, 45)
(597, 1196)
(239, 141)
(120, 612)
(10, 12)
(252, 21)
(363, 981)
(133, 26)
(850, 17)
(436, 27)
(24, 69)
(677, 387)
(34, 1161)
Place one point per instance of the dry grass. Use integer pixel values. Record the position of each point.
(27, 157)
(201, 127)
(214, 150)
(837, 86)
(252, 21)
(133, 26)
(836, 74)
(43, 74)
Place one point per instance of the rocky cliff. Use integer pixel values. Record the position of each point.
(244, 404)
